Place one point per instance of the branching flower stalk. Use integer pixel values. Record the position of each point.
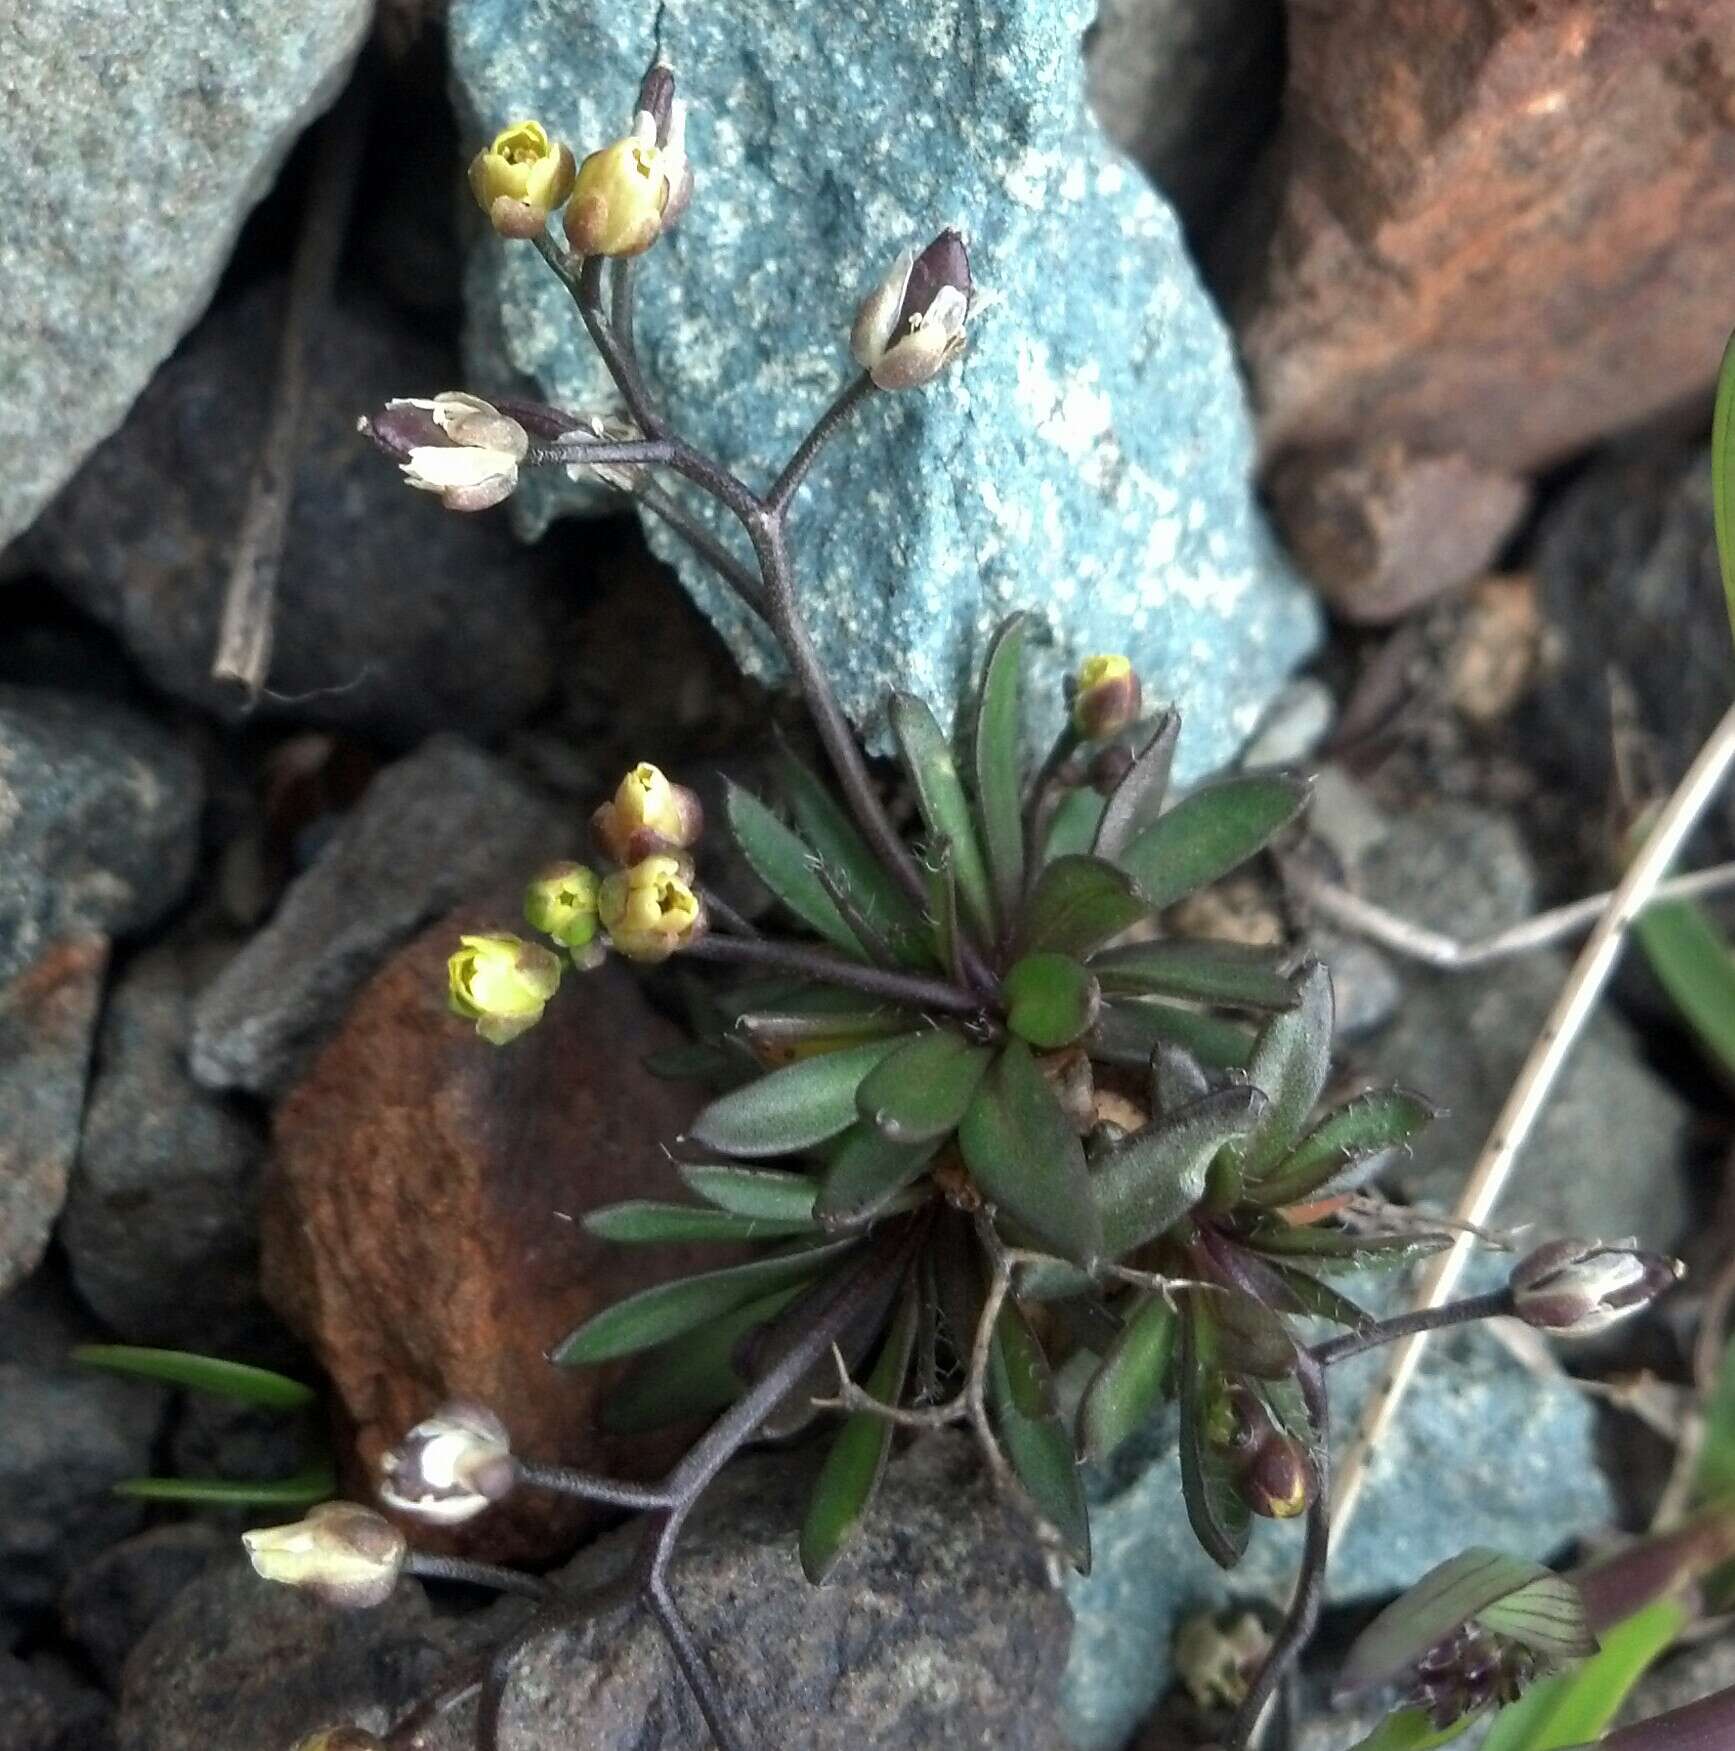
(979, 1113)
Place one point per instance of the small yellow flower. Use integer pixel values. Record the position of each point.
(561, 902)
(621, 200)
(1107, 697)
(521, 179)
(648, 815)
(501, 983)
(650, 910)
(341, 1552)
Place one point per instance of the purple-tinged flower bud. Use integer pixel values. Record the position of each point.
(340, 1552)
(647, 816)
(1107, 697)
(1577, 1288)
(911, 325)
(450, 1467)
(458, 445)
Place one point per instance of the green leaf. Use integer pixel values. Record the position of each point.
(1251, 1339)
(1073, 824)
(1147, 1182)
(850, 1476)
(1129, 1385)
(842, 850)
(1305, 1293)
(1505, 1594)
(693, 1377)
(793, 1108)
(1723, 474)
(944, 806)
(786, 866)
(318, 1483)
(655, 1315)
(1574, 1707)
(999, 785)
(208, 1374)
(699, 1061)
(1714, 1473)
(1025, 1157)
(1221, 1521)
(1211, 832)
(1077, 905)
(777, 1036)
(943, 906)
(1410, 1729)
(1290, 1062)
(1034, 1434)
(919, 1093)
(751, 1191)
(1051, 1000)
(867, 1172)
(1369, 1125)
(1130, 1029)
(1176, 1079)
(643, 1222)
(1339, 1249)
(1211, 972)
(1693, 963)
(1138, 799)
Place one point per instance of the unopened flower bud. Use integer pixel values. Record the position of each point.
(340, 1552)
(449, 1468)
(561, 903)
(1216, 1659)
(650, 910)
(1278, 1482)
(911, 325)
(1106, 697)
(521, 179)
(458, 445)
(341, 1739)
(648, 815)
(622, 197)
(501, 983)
(1577, 1288)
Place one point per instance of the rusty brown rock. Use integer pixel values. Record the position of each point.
(421, 1213)
(1501, 230)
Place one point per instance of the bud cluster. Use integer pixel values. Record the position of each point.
(1272, 1472)
(649, 907)
(1470, 1669)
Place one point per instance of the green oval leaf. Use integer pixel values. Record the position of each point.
(1206, 835)
(944, 806)
(1369, 1125)
(1220, 1519)
(1138, 799)
(1210, 972)
(920, 1092)
(999, 784)
(1692, 961)
(783, 1034)
(644, 1222)
(866, 1175)
(793, 1108)
(1072, 824)
(850, 1476)
(786, 866)
(1130, 1029)
(1339, 1249)
(1077, 905)
(655, 1315)
(1051, 1000)
(237, 1381)
(1411, 1729)
(1126, 1390)
(1291, 1061)
(1025, 1157)
(751, 1191)
(1033, 1433)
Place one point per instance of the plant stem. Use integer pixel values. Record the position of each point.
(427, 1567)
(911, 989)
(588, 1486)
(1496, 1304)
(784, 488)
(1037, 802)
(651, 422)
(743, 582)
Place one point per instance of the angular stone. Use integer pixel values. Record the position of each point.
(1499, 234)
(1089, 458)
(443, 823)
(47, 1023)
(182, 112)
(113, 1599)
(99, 812)
(161, 1222)
(421, 1224)
(391, 617)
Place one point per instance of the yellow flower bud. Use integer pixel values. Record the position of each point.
(341, 1739)
(621, 198)
(1107, 699)
(501, 983)
(650, 910)
(648, 815)
(341, 1552)
(521, 179)
(561, 902)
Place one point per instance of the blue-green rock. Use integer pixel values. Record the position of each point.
(1089, 459)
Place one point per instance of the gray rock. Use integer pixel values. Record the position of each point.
(1089, 458)
(161, 1222)
(30, 1717)
(1188, 89)
(1484, 1452)
(111, 1601)
(437, 826)
(83, 1718)
(99, 813)
(182, 113)
(392, 616)
(68, 1435)
(215, 1437)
